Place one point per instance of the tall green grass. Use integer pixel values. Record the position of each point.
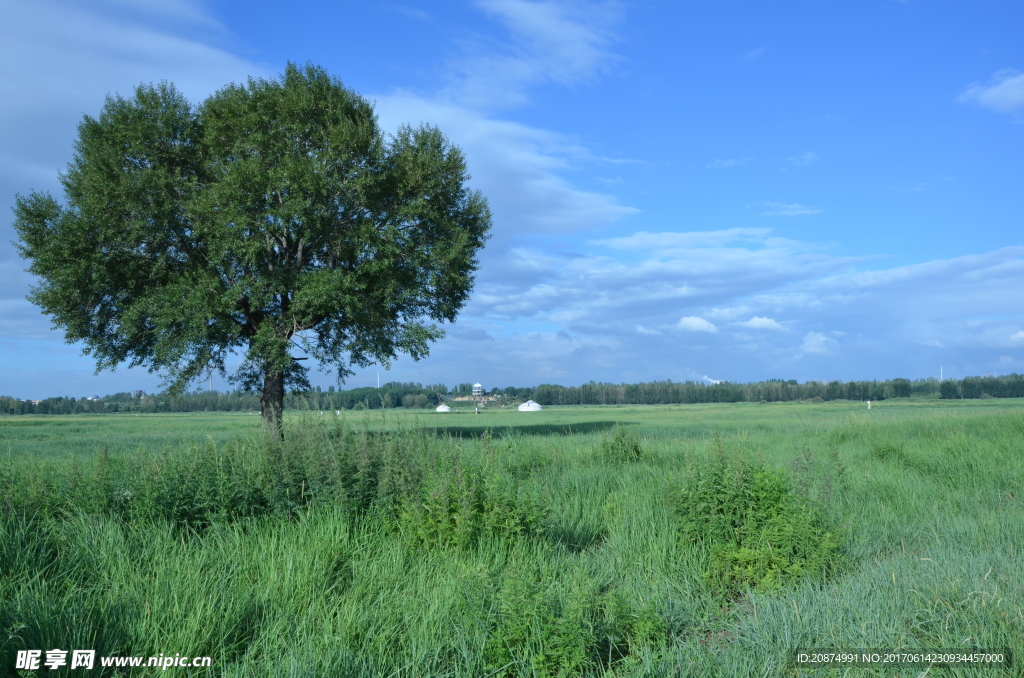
(709, 541)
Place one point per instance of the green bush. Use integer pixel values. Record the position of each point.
(452, 503)
(624, 445)
(551, 623)
(761, 533)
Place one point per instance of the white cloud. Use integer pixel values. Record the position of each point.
(1017, 337)
(756, 53)
(761, 323)
(781, 209)
(805, 159)
(816, 342)
(1003, 93)
(696, 324)
(729, 162)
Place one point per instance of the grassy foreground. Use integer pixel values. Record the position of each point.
(616, 541)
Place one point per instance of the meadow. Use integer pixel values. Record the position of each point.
(707, 540)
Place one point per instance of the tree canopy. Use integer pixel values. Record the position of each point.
(275, 213)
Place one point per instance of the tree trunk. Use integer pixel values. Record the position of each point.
(272, 403)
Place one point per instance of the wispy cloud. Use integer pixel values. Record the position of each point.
(518, 167)
(781, 209)
(729, 162)
(672, 240)
(756, 53)
(410, 12)
(561, 42)
(805, 159)
(1003, 93)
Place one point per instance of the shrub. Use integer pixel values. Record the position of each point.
(565, 624)
(449, 502)
(760, 532)
(624, 445)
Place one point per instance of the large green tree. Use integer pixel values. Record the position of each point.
(275, 213)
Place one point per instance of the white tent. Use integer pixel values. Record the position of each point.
(443, 408)
(530, 406)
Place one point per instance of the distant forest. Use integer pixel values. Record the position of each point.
(415, 395)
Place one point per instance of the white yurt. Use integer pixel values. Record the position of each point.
(443, 408)
(530, 406)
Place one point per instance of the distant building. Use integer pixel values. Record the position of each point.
(478, 389)
(530, 406)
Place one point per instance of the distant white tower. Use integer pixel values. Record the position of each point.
(478, 397)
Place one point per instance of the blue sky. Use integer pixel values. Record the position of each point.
(735, 190)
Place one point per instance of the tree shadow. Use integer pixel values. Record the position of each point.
(524, 430)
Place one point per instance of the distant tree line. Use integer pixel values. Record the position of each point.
(672, 392)
(414, 395)
(1009, 386)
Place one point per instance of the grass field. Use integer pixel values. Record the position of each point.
(615, 541)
